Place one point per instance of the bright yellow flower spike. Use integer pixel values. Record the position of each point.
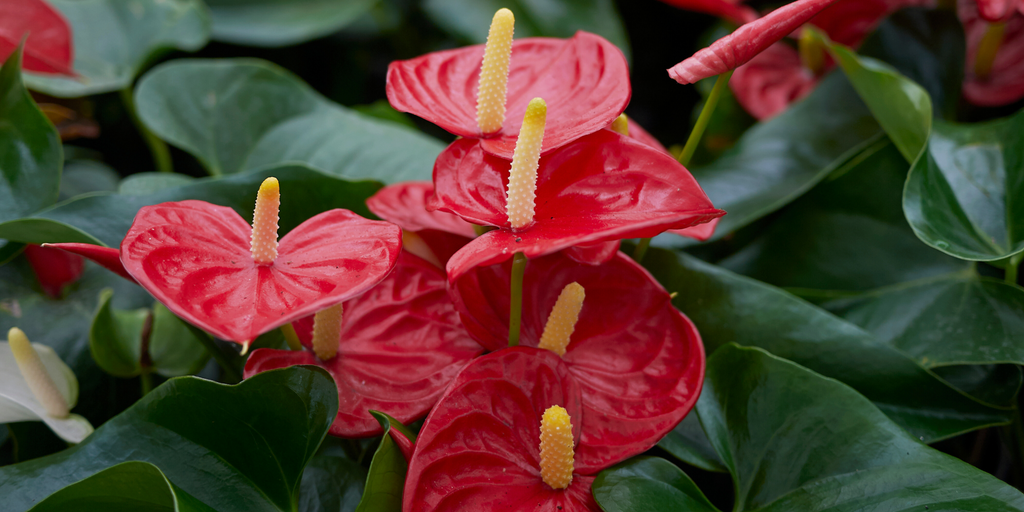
(621, 125)
(35, 374)
(493, 85)
(522, 179)
(988, 48)
(264, 222)
(327, 332)
(556, 451)
(563, 318)
(812, 52)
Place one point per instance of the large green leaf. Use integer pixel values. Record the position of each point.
(332, 482)
(470, 19)
(30, 150)
(648, 483)
(115, 39)
(127, 487)
(953, 320)
(173, 348)
(688, 443)
(105, 218)
(386, 480)
(281, 22)
(729, 308)
(794, 440)
(848, 234)
(960, 196)
(242, 114)
(240, 447)
(901, 107)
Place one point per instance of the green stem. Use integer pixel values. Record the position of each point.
(158, 148)
(1011, 268)
(230, 372)
(641, 249)
(515, 313)
(1016, 436)
(146, 378)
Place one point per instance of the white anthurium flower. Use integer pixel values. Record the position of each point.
(36, 385)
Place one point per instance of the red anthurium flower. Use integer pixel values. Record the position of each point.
(209, 267)
(639, 361)
(585, 79)
(48, 47)
(602, 187)
(480, 448)
(998, 10)
(728, 9)
(399, 346)
(995, 52)
(54, 269)
(736, 49)
(107, 257)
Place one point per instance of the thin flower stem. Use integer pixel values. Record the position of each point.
(158, 148)
(641, 249)
(146, 379)
(1011, 269)
(516, 304)
(231, 373)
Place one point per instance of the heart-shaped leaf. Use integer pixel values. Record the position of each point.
(648, 483)
(239, 447)
(794, 440)
(115, 39)
(729, 308)
(281, 22)
(959, 197)
(124, 487)
(331, 482)
(243, 114)
(30, 150)
(688, 443)
(104, 219)
(386, 480)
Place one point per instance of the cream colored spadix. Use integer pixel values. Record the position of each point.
(621, 125)
(522, 179)
(988, 48)
(36, 385)
(264, 222)
(562, 320)
(327, 331)
(493, 86)
(556, 448)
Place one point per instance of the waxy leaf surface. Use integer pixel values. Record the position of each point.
(281, 22)
(125, 487)
(649, 482)
(386, 480)
(265, 431)
(627, 333)
(243, 114)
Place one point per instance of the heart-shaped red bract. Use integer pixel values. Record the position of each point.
(107, 257)
(600, 188)
(480, 447)
(48, 47)
(1005, 83)
(195, 258)
(584, 80)
(401, 344)
(638, 360)
(54, 268)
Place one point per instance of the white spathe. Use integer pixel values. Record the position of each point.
(17, 403)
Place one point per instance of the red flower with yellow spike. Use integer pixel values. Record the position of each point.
(995, 51)
(638, 361)
(236, 281)
(431, 235)
(482, 91)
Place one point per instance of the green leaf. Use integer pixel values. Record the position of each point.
(729, 308)
(777, 161)
(115, 39)
(84, 176)
(959, 197)
(902, 107)
(243, 114)
(648, 483)
(688, 443)
(145, 183)
(127, 487)
(281, 22)
(173, 348)
(386, 480)
(232, 448)
(847, 235)
(951, 320)
(331, 483)
(794, 440)
(115, 338)
(30, 150)
(106, 218)
(470, 19)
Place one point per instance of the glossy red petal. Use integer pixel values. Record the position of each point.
(404, 443)
(48, 47)
(54, 268)
(602, 187)
(639, 134)
(700, 232)
(594, 254)
(727, 9)
(1005, 83)
(584, 80)
(995, 10)
(405, 204)
(401, 344)
(194, 257)
(480, 447)
(770, 82)
(746, 42)
(638, 360)
(107, 257)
